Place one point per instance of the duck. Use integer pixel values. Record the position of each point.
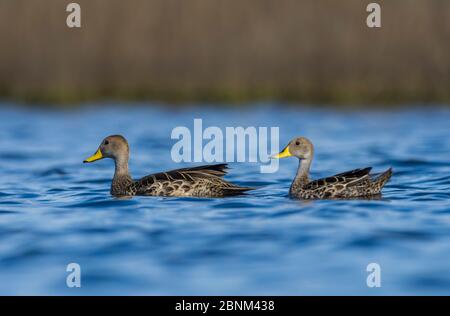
(357, 183)
(202, 181)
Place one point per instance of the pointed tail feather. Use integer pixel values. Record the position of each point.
(380, 181)
(235, 190)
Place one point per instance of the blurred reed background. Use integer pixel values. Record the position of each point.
(315, 51)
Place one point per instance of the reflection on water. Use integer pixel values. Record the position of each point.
(54, 210)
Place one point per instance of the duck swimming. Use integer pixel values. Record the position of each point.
(351, 184)
(203, 181)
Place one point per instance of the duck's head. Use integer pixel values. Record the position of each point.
(299, 147)
(114, 146)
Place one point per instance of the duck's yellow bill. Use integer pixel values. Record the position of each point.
(97, 156)
(283, 154)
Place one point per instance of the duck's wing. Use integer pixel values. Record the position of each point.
(207, 171)
(195, 180)
(188, 174)
(345, 179)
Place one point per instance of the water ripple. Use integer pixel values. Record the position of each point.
(55, 210)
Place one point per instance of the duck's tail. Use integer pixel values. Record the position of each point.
(379, 182)
(235, 190)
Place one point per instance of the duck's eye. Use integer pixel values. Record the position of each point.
(297, 143)
(106, 142)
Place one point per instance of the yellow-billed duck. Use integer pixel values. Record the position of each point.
(351, 184)
(203, 181)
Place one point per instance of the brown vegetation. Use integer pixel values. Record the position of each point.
(226, 50)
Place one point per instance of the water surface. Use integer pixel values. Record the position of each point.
(54, 210)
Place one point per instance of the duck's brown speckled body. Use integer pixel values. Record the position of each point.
(358, 183)
(203, 181)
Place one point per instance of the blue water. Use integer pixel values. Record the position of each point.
(54, 210)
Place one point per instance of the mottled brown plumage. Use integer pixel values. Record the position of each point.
(351, 184)
(203, 181)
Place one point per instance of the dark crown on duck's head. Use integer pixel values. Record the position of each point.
(114, 146)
